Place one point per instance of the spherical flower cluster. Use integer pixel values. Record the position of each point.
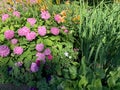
(42, 31)
(39, 47)
(50, 57)
(4, 51)
(57, 18)
(54, 30)
(9, 34)
(47, 51)
(40, 56)
(32, 21)
(16, 13)
(31, 36)
(34, 67)
(14, 41)
(4, 17)
(45, 15)
(23, 31)
(18, 50)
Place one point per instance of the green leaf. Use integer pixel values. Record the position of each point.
(2, 38)
(65, 73)
(48, 42)
(56, 38)
(11, 27)
(97, 83)
(83, 81)
(111, 82)
(83, 66)
(27, 25)
(73, 72)
(4, 29)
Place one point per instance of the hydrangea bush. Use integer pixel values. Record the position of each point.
(34, 45)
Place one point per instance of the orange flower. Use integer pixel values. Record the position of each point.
(39, 1)
(18, 1)
(43, 8)
(63, 19)
(77, 18)
(63, 13)
(10, 9)
(10, 2)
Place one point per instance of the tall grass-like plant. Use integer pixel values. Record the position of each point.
(99, 42)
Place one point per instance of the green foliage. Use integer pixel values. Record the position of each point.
(96, 33)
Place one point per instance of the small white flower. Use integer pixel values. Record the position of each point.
(70, 57)
(66, 54)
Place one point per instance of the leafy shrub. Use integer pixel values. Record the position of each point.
(39, 44)
(93, 31)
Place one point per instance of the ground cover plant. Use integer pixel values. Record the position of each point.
(71, 46)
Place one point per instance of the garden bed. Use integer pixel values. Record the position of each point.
(67, 46)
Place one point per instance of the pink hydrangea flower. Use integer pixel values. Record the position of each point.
(50, 57)
(57, 18)
(34, 67)
(9, 34)
(4, 50)
(14, 41)
(31, 36)
(40, 56)
(32, 21)
(39, 47)
(45, 15)
(16, 13)
(66, 31)
(54, 30)
(23, 31)
(18, 50)
(42, 31)
(47, 51)
(4, 17)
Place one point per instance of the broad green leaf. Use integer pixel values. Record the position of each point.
(4, 29)
(56, 38)
(48, 42)
(73, 72)
(83, 81)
